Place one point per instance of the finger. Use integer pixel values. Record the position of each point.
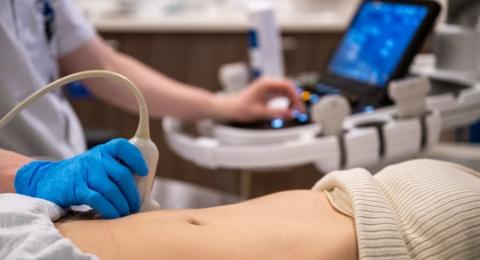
(99, 204)
(270, 113)
(286, 88)
(295, 100)
(100, 183)
(123, 177)
(122, 149)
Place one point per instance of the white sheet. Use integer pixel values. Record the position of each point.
(27, 230)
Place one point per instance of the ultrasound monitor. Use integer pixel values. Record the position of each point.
(377, 47)
(376, 41)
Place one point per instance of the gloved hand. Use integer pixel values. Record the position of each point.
(101, 178)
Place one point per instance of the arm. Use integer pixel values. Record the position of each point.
(102, 178)
(166, 96)
(10, 163)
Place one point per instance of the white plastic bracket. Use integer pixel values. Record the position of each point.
(410, 96)
(330, 113)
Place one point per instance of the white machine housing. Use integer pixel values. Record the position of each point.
(369, 138)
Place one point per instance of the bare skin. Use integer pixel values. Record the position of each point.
(10, 162)
(287, 225)
(166, 96)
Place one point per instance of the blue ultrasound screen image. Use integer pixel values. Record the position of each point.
(376, 42)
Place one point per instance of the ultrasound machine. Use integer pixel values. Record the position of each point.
(370, 71)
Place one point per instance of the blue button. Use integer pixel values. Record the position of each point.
(277, 123)
(314, 98)
(303, 118)
(368, 109)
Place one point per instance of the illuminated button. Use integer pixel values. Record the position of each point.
(368, 109)
(314, 98)
(302, 118)
(306, 96)
(277, 123)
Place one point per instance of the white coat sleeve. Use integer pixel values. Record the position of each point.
(72, 28)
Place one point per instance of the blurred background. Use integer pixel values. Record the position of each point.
(190, 39)
(207, 7)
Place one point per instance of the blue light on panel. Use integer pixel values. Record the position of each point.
(302, 118)
(277, 123)
(314, 98)
(368, 109)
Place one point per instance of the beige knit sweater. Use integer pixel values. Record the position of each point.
(421, 209)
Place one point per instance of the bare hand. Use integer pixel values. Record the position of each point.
(251, 103)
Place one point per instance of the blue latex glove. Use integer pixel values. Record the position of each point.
(101, 178)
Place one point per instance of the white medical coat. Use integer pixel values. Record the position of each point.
(49, 127)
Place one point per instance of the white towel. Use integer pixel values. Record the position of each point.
(421, 209)
(27, 230)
